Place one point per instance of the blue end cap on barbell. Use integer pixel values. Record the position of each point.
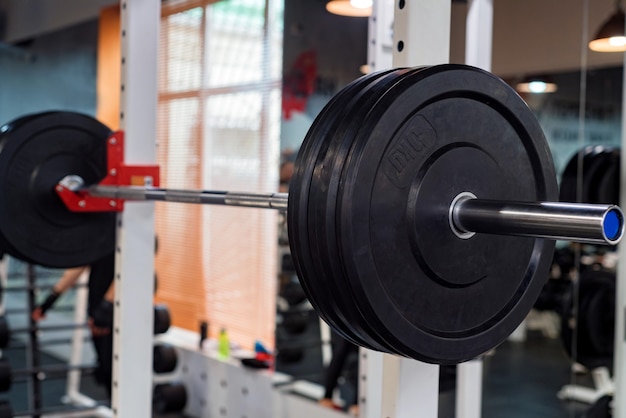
(613, 224)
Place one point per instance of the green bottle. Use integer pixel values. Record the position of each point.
(223, 344)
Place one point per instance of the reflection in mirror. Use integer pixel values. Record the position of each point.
(582, 123)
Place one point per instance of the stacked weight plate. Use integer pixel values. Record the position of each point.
(328, 290)
(35, 153)
(599, 176)
(369, 202)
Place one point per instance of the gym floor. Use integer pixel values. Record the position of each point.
(521, 380)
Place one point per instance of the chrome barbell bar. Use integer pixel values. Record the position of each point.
(468, 215)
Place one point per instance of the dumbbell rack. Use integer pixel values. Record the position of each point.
(32, 347)
(78, 403)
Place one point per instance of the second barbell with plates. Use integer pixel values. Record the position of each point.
(421, 213)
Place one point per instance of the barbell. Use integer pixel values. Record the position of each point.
(421, 214)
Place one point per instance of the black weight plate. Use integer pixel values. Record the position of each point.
(169, 397)
(295, 322)
(34, 155)
(602, 408)
(6, 410)
(293, 293)
(5, 332)
(323, 241)
(6, 376)
(594, 174)
(593, 169)
(297, 214)
(437, 133)
(333, 287)
(299, 187)
(600, 318)
(162, 319)
(321, 134)
(607, 188)
(290, 355)
(568, 187)
(324, 186)
(327, 286)
(594, 322)
(380, 333)
(298, 191)
(4, 244)
(164, 358)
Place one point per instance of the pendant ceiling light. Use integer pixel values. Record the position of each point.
(610, 37)
(536, 84)
(355, 8)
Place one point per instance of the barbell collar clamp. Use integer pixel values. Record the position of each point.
(72, 182)
(579, 222)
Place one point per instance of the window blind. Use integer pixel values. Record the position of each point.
(218, 128)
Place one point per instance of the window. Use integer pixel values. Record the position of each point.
(218, 129)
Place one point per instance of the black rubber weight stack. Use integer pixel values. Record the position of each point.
(6, 411)
(599, 176)
(323, 197)
(322, 296)
(58, 143)
(368, 216)
(162, 319)
(608, 186)
(595, 320)
(5, 332)
(169, 397)
(164, 358)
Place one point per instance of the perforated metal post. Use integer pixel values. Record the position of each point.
(134, 270)
(421, 32)
(380, 36)
(421, 36)
(398, 387)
